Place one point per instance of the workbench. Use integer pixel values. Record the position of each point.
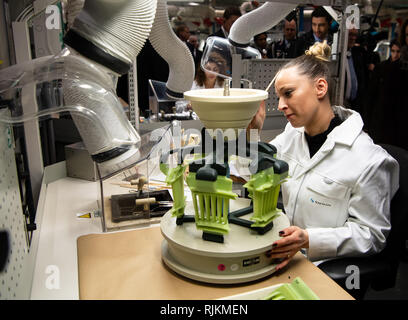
(76, 260)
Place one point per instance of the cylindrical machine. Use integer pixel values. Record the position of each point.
(241, 258)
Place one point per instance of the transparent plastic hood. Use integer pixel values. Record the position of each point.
(69, 83)
(218, 53)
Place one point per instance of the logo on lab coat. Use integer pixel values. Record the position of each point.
(320, 203)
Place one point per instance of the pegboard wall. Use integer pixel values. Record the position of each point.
(261, 72)
(12, 220)
(133, 104)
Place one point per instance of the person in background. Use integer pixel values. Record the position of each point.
(261, 44)
(208, 79)
(341, 184)
(193, 46)
(387, 101)
(404, 34)
(368, 43)
(357, 74)
(183, 32)
(288, 46)
(321, 21)
(193, 40)
(395, 48)
(404, 45)
(231, 14)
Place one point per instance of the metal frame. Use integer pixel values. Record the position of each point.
(134, 111)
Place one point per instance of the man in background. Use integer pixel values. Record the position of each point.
(356, 74)
(261, 44)
(231, 14)
(288, 46)
(321, 21)
(183, 32)
(193, 46)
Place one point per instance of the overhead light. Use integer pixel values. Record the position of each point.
(193, 4)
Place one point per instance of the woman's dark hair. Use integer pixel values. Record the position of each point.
(403, 34)
(395, 42)
(320, 12)
(220, 62)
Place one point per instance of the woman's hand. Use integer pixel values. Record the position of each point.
(293, 239)
(259, 118)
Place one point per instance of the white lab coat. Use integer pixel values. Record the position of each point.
(341, 195)
(195, 86)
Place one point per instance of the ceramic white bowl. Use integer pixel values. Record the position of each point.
(218, 111)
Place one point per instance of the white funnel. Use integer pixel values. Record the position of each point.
(217, 111)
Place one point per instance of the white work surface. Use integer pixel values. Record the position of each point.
(55, 273)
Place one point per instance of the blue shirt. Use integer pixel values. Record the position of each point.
(318, 39)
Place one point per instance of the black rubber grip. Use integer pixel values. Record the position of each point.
(91, 51)
(108, 155)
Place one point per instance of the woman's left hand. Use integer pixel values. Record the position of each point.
(293, 239)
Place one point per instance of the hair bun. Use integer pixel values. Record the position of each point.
(320, 50)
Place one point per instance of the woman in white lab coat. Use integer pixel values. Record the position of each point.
(340, 184)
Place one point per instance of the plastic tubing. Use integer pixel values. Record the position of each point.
(174, 51)
(76, 109)
(112, 32)
(257, 21)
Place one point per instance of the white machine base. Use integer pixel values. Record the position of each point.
(241, 258)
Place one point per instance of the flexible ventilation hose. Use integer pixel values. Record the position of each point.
(174, 51)
(112, 32)
(73, 8)
(259, 20)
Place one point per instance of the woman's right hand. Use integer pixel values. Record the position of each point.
(259, 118)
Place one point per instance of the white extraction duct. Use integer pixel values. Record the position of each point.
(73, 8)
(257, 21)
(174, 51)
(112, 32)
